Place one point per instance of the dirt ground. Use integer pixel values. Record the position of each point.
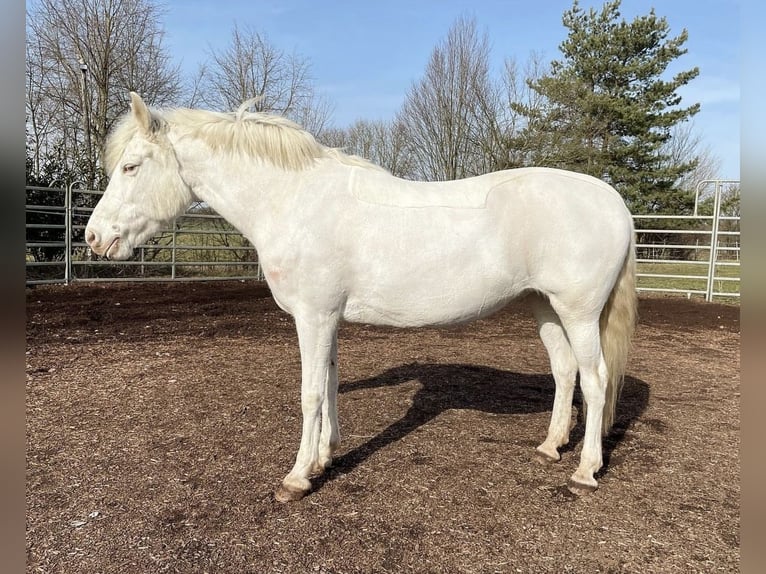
(160, 419)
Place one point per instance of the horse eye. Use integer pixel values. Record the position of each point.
(129, 168)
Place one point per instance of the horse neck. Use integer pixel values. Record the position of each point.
(252, 195)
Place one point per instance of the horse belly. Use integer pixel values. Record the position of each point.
(418, 304)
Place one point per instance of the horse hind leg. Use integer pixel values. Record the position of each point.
(583, 335)
(564, 369)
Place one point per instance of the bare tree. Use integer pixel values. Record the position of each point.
(686, 145)
(513, 147)
(315, 114)
(383, 143)
(38, 113)
(83, 58)
(457, 121)
(451, 111)
(251, 66)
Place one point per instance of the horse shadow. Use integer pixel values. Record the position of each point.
(460, 386)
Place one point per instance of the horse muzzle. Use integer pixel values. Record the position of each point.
(108, 247)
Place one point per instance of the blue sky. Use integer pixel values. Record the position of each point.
(365, 55)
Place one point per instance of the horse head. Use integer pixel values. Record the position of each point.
(145, 190)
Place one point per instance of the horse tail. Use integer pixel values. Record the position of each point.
(616, 324)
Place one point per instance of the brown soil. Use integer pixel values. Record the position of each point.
(160, 419)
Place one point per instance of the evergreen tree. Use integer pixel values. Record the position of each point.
(608, 109)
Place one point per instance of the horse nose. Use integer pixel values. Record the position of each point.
(91, 238)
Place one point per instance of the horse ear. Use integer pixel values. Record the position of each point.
(147, 123)
(141, 113)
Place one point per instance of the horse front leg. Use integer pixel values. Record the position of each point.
(317, 337)
(329, 439)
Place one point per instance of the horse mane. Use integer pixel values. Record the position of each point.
(273, 138)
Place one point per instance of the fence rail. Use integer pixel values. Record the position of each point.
(197, 246)
(692, 255)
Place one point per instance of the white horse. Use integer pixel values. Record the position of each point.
(340, 238)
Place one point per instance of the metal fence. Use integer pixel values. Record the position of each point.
(198, 246)
(692, 255)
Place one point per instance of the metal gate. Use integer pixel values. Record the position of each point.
(694, 255)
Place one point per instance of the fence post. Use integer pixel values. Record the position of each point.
(713, 243)
(173, 251)
(68, 234)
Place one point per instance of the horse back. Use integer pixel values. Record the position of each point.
(425, 261)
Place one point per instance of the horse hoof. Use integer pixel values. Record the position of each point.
(580, 488)
(289, 494)
(544, 457)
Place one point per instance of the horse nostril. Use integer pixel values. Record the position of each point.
(90, 237)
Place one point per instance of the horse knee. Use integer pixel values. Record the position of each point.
(311, 403)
